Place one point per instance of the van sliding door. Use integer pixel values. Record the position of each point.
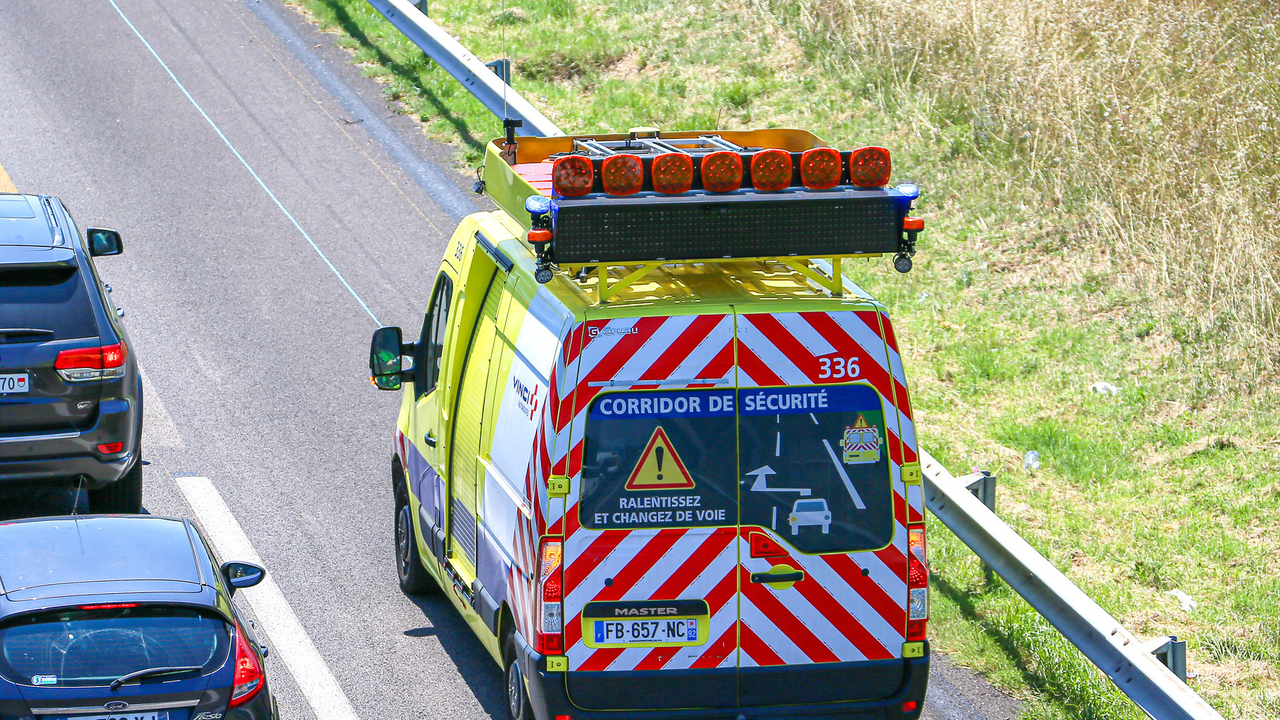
(468, 428)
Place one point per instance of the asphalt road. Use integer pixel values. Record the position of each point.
(257, 256)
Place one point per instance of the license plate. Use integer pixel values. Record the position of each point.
(14, 383)
(667, 631)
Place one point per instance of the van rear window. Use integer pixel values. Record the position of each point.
(77, 647)
(660, 459)
(818, 466)
(52, 299)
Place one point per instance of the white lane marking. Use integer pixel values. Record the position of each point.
(853, 492)
(158, 429)
(244, 162)
(288, 638)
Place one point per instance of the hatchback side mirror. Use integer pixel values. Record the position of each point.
(104, 242)
(242, 575)
(384, 358)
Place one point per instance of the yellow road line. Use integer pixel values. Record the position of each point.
(6, 185)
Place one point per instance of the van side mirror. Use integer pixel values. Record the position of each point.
(104, 242)
(384, 358)
(242, 575)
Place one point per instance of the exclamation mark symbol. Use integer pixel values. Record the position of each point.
(658, 453)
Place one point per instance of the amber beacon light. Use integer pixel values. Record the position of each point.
(572, 176)
(622, 174)
(870, 167)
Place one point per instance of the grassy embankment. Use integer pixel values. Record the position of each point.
(1101, 192)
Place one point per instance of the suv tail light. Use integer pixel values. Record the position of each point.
(92, 363)
(249, 677)
(551, 593)
(917, 585)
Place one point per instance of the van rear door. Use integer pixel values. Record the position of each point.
(738, 526)
(823, 573)
(651, 551)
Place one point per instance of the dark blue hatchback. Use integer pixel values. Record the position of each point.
(124, 618)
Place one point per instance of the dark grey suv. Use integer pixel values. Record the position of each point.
(70, 393)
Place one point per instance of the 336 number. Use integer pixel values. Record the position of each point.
(838, 367)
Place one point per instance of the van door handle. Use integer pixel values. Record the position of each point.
(783, 577)
(430, 439)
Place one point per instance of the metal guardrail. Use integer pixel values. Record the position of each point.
(1125, 660)
(480, 80)
(1102, 639)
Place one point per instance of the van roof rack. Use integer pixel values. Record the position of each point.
(648, 198)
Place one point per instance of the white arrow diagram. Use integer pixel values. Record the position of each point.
(762, 482)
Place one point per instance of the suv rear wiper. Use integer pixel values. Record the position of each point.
(19, 332)
(115, 684)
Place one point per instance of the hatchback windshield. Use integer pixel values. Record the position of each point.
(78, 647)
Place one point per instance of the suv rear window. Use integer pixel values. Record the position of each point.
(53, 299)
(660, 459)
(77, 647)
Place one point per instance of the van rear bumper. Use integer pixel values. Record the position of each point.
(549, 698)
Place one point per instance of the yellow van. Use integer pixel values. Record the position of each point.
(655, 448)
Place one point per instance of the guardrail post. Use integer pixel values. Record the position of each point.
(1171, 652)
(502, 68)
(982, 485)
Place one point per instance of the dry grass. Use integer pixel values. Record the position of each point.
(1148, 129)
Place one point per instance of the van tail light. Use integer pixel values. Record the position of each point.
(672, 173)
(870, 167)
(820, 168)
(622, 174)
(771, 170)
(249, 678)
(917, 584)
(721, 171)
(92, 363)
(572, 176)
(551, 593)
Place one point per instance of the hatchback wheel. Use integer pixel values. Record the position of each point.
(414, 578)
(123, 496)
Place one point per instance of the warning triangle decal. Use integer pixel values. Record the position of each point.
(659, 467)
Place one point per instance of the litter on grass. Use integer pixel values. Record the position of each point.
(1187, 602)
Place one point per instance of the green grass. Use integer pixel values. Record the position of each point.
(1100, 190)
